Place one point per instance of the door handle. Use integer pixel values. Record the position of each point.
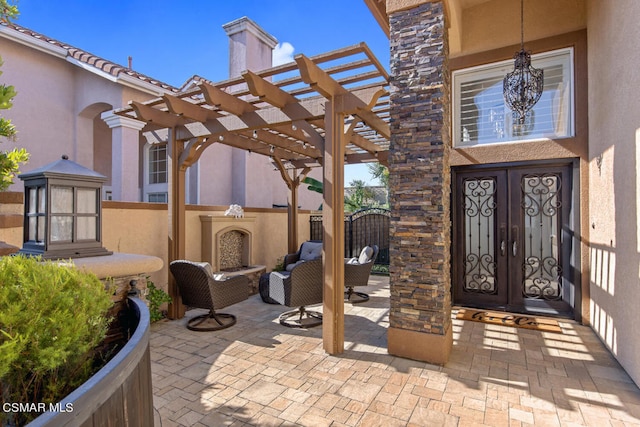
(503, 243)
(515, 248)
(515, 235)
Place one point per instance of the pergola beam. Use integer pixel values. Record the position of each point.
(268, 92)
(267, 137)
(156, 116)
(331, 89)
(253, 146)
(307, 109)
(189, 110)
(225, 101)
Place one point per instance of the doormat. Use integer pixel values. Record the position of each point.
(509, 319)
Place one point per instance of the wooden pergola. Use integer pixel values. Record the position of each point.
(328, 110)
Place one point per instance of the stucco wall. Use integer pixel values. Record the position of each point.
(496, 23)
(614, 135)
(56, 105)
(142, 228)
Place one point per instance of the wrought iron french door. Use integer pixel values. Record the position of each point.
(512, 239)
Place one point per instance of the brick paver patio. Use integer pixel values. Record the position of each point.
(259, 373)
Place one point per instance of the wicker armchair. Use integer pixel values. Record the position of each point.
(356, 273)
(299, 286)
(200, 289)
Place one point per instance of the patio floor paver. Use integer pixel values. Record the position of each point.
(260, 373)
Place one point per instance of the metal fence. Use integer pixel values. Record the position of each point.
(362, 228)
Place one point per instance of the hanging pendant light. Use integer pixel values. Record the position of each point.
(522, 87)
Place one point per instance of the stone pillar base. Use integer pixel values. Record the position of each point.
(422, 346)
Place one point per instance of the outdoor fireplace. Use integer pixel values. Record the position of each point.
(227, 246)
(234, 249)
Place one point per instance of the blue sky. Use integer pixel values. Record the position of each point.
(173, 40)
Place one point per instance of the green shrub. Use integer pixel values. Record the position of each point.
(52, 316)
(279, 264)
(380, 269)
(156, 297)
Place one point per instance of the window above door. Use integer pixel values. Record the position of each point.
(480, 115)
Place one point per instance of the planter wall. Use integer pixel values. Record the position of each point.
(120, 394)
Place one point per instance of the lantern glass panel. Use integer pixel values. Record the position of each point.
(39, 236)
(87, 228)
(61, 199)
(87, 200)
(33, 228)
(42, 199)
(61, 228)
(33, 199)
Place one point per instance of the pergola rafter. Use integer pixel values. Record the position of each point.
(326, 110)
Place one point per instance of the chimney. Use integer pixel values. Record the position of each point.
(250, 47)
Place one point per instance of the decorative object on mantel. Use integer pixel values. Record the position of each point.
(235, 211)
(522, 88)
(63, 211)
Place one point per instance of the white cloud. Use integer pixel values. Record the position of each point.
(282, 53)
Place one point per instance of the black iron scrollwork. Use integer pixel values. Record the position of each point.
(479, 208)
(541, 204)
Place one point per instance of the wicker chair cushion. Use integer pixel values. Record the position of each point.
(310, 251)
(206, 266)
(293, 265)
(365, 255)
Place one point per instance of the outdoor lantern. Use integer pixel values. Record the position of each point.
(522, 88)
(63, 211)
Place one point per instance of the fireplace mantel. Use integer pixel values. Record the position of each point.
(227, 219)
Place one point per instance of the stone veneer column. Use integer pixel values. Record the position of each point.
(420, 318)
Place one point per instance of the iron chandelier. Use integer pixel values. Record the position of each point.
(522, 88)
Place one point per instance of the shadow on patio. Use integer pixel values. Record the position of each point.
(260, 373)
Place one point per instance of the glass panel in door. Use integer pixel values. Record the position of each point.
(542, 273)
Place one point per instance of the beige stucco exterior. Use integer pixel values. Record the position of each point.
(58, 107)
(614, 177)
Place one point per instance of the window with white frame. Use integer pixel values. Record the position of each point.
(480, 115)
(158, 164)
(157, 197)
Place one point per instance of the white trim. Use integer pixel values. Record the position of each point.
(113, 120)
(135, 83)
(490, 71)
(246, 24)
(91, 69)
(123, 78)
(32, 42)
(146, 186)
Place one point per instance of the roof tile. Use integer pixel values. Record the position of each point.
(88, 58)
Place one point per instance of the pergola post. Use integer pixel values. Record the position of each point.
(333, 230)
(292, 212)
(292, 206)
(177, 240)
